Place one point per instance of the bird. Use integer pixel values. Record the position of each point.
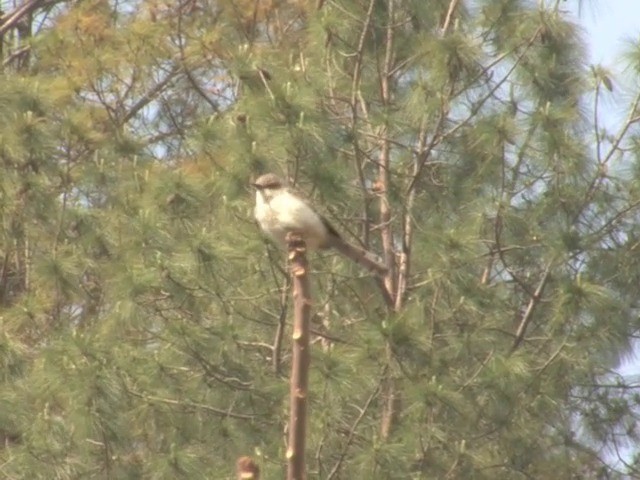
(279, 211)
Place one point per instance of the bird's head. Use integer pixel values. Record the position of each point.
(268, 184)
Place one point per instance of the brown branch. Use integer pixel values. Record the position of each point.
(385, 160)
(11, 19)
(16, 55)
(386, 294)
(299, 392)
(533, 303)
(404, 260)
(389, 390)
(355, 91)
(355, 100)
(150, 95)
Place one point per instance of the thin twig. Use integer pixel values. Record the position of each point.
(197, 406)
(352, 431)
(452, 8)
(533, 303)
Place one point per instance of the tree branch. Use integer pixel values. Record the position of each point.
(533, 303)
(301, 358)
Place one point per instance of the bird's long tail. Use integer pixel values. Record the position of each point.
(359, 255)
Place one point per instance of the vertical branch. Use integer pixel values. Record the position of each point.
(404, 258)
(389, 390)
(300, 358)
(421, 157)
(596, 123)
(355, 95)
(385, 157)
(404, 255)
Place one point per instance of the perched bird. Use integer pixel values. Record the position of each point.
(279, 211)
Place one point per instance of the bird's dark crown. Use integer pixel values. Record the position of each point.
(268, 180)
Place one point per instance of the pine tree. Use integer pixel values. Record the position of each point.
(144, 318)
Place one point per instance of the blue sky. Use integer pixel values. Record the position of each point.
(607, 23)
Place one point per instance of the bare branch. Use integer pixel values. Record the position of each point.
(528, 314)
(301, 358)
(447, 21)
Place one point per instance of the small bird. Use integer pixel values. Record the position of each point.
(279, 212)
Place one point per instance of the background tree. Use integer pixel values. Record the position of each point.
(143, 316)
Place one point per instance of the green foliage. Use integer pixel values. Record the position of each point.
(141, 309)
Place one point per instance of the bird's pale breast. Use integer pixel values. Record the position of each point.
(285, 213)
